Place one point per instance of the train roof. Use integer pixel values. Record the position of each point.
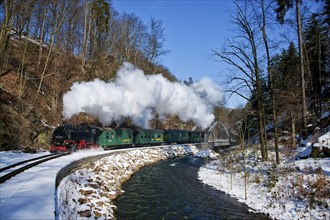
(117, 129)
(179, 130)
(149, 130)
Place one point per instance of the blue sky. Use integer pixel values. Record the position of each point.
(192, 28)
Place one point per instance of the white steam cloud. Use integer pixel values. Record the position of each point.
(139, 97)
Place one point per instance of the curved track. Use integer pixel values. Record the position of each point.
(38, 160)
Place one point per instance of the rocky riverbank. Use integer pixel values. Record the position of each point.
(89, 192)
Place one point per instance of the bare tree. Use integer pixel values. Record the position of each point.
(132, 33)
(261, 18)
(70, 28)
(21, 69)
(242, 54)
(23, 14)
(4, 32)
(41, 34)
(155, 40)
(57, 15)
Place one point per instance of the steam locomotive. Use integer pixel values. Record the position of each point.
(70, 138)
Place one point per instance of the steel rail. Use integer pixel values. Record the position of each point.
(19, 170)
(24, 161)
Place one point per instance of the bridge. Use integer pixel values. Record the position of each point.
(217, 136)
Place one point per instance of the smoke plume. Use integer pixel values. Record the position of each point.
(139, 97)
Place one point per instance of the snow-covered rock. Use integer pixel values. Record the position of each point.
(89, 192)
(323, 140)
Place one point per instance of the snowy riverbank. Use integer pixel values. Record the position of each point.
(293, 190)
(88, 192)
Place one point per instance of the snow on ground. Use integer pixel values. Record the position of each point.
(11, 157)
(88, 193)
(318, 140)
(30, 195)
(207, 153)
(296, 189)
(323, 140)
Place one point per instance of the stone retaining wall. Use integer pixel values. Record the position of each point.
(86, 188)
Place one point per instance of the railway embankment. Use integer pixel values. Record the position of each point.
(86, 188)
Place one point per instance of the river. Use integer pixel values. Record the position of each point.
(171, 190)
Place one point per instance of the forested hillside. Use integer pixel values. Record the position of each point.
(286, 81)
(45, 46)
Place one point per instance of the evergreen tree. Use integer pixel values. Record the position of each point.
(100, 15)
(283, 7)
(315, 43)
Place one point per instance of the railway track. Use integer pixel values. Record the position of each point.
(38, 160)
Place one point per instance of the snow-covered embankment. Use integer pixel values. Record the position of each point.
(297, 189)
(88, 192)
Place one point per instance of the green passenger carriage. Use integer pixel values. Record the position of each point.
(176, 136)
(195, 136)
(111, 137)
(148, 137)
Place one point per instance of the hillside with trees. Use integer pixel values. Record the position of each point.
(45, 46)
(286, 88)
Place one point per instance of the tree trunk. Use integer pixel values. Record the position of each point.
(260, 104)
(270, 79)
(293, 132)
(242, 134)
(261, 135)
(45, 67)
(265, 133)
(41, 36)
(245, 173)
(319, 90)
(4, 33)
(86, 34)
(302, 73)
(22, 73)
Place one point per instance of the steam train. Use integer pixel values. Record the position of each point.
(70, 138)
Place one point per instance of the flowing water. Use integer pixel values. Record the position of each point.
(170, 190)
